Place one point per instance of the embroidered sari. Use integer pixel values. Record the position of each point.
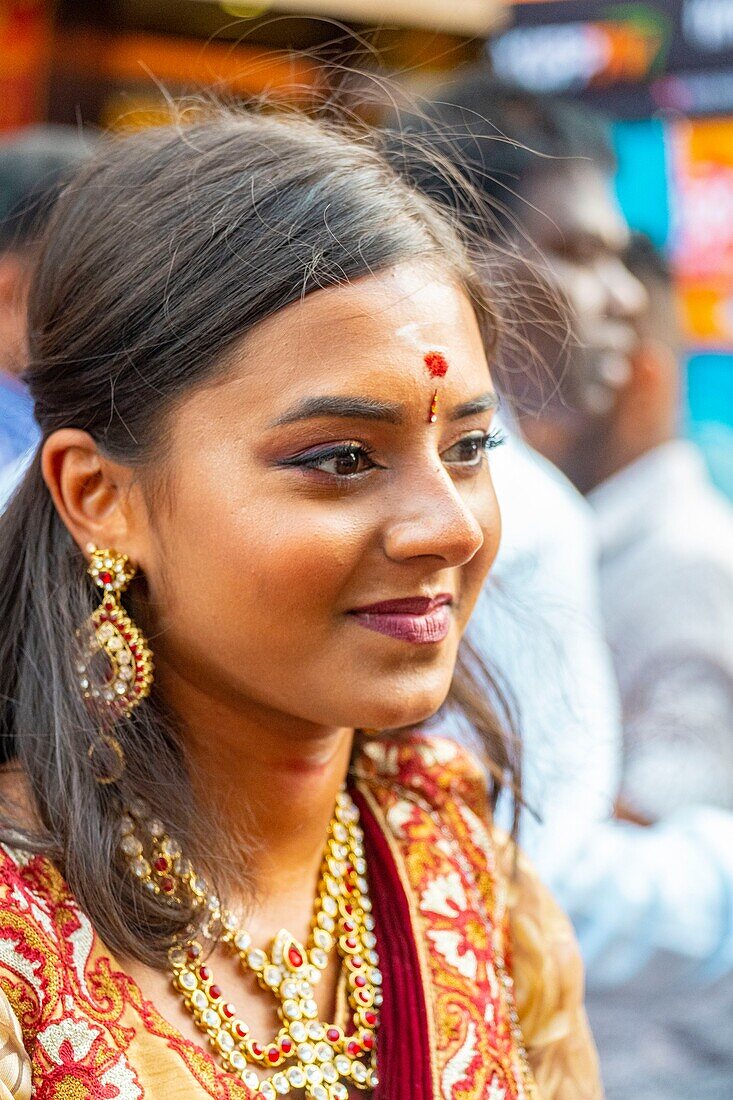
(483, 990)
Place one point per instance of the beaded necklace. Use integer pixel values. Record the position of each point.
(306, 1053)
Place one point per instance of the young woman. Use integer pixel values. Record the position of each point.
(243, 559)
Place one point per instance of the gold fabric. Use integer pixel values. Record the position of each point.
(15, 1065)
(92, 1034)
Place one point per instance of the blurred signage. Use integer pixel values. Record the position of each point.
(701, 240)
(25, 35)
(573, 56)
(638, 56)
(462, 17)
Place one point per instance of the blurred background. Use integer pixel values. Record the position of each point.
(662, 70)
(655, 877)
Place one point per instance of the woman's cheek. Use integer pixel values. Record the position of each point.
(301, 565)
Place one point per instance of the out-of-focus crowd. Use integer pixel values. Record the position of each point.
(610, 609)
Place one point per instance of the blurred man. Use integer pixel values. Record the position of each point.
(633, 892)
(666, 573)
(33, 167)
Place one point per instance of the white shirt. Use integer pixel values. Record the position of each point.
(538, 623)
(666, 538)
(632, 892)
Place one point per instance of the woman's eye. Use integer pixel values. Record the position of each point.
(343, 461)
(470, 450)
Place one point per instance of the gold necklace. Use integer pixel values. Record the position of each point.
(306, 1053)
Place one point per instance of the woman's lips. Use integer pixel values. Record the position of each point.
(419, 619)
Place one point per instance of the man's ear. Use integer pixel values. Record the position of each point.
(91, 493)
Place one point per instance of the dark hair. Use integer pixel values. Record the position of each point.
(501, 136)
(34, 166)
(647, 262)
(169, 246)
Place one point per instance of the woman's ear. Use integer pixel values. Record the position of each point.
(91, 493)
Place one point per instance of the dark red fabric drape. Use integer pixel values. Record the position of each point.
(403, 1049)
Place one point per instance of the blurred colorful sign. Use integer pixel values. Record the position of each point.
(640, 55)
(564, 56)
(701, 238)
(25, 36)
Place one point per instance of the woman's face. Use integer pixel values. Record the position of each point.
(307, 484)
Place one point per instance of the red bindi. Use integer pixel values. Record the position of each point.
(436, 363)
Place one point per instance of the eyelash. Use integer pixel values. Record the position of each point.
(487, 442)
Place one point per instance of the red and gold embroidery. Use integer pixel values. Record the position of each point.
(433, 801)
(85, 1022)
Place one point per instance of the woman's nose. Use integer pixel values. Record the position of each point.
(434, 520)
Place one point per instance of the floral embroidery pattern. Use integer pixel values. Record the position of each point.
(433, 798)
(79, 1014)
(92, 1036)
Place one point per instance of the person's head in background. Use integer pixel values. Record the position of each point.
(645, 410)
(546, 169)
(34, 165)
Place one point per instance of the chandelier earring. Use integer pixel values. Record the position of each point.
(128, 676)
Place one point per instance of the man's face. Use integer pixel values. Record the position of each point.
(571, 215)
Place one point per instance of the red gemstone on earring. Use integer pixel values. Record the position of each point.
(354, 1049)
(294, 957)
(204, 973)
(109, 606)
(367, 1041)
(333, 1035)
(273, 1055)
(359, 981)
(161, 864)
(349, 908)
(214, 992)
(167, 885)
(363, 996)
(347, 926)
(371, 1018)
(351, 943)
(286, 1046)
(105, 578)
(356, 962)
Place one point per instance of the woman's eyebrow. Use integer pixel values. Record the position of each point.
(477, 405)
(366, 408)
(346, 408)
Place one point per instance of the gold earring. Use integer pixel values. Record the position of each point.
(107, 758)
(112, 631)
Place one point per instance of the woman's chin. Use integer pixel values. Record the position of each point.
(400, 714)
